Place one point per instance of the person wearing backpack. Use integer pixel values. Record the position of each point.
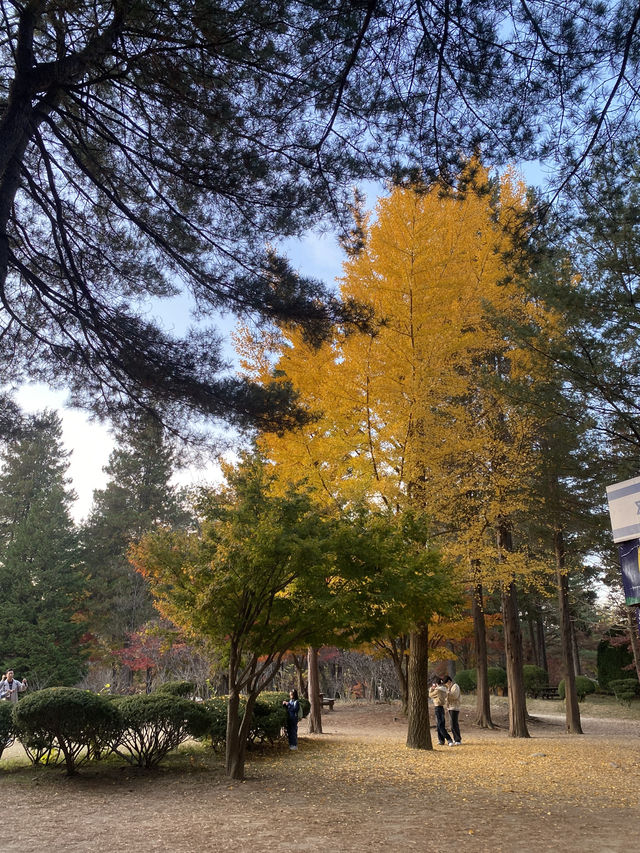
(293, 715)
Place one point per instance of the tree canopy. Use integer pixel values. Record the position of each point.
(146, 146)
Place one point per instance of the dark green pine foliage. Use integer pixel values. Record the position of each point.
(148, 147)
(40, 577)
(138, 496)
(599, 234)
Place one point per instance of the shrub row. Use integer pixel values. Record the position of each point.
(584, 686)
(468, 679)
(65, 724)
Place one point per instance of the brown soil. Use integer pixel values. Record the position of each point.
(355, 788)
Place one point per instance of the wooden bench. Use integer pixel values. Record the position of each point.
(326, 702)
(549, 693)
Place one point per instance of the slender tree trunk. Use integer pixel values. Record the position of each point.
(483, 703)
(542, 643)
(298, 662)
(562, 581)
(237, 731)
(419, 732)
(533, 639)
(315, 714)
(576, 651)
(513, 656)
(632, 617)
(400, 662)
(234, 764)
(512, 646)
(397, 650)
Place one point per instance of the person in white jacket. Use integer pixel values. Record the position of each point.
(438, 695)
(453, 707)
(10, 687)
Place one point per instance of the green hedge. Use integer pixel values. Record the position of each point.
(625, 689)
(183, 689)
(150, 726)
(584, 686)
(277, 698)
(7, 727)
(535, 679)
(66, 723)
(612, 663)
(468, 679)
(216, 709)
(497, 678)
(269, 718)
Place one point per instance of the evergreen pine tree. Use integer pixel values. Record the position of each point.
(137, 497)
(40, 577)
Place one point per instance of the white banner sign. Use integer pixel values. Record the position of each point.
(624, 509)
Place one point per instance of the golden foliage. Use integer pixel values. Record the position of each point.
(415, 411)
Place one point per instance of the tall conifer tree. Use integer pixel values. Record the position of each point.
(138, 496)
(40, 577)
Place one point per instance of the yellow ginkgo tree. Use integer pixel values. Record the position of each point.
(413, 413)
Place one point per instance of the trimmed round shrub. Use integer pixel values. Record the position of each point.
(613, 660)
(267, 722)
(625, 689)
(584, 686)
(68, 722)
(183, 689)
(497, 678)
(467, 680)
(276, 699)
(7, 728)
(154, 724)
(216, 709)
(535, 679)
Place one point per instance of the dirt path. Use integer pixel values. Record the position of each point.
(355, 788)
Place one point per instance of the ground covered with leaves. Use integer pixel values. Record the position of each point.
(353, 788)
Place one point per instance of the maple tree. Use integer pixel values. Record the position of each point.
(415, 413)
(237, 582)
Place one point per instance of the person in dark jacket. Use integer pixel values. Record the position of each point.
(292, 706)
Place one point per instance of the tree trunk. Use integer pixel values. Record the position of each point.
(399, 657)
(513, 656)
(634, 624)
(542, 643)
(562, 581)
(315, 714)
(533, 639)
(234, 755)
(483, 703)
(419, 732)
(298, 662)
(576, 651)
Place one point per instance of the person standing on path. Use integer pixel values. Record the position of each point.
(10, 687)
(293, 709)
(438, 695)
(453, 707)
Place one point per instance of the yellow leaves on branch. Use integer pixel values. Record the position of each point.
(412, 413)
